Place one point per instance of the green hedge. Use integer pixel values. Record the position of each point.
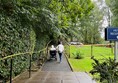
(13, 39)
(17, 35)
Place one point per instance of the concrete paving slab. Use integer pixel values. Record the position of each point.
(54, 72)
(70, 81)
(62, 77)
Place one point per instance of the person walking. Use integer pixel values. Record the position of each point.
(60, 49)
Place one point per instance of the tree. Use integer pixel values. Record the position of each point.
(113, 5)
(91, 27)
(69, 13)
(27, 25)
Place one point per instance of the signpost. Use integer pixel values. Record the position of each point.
(111, 34)
(116, 51)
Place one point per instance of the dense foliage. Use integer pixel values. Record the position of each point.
(14, 38)
(28, 25)
(91, 27)
(113, 5)
(107, 70)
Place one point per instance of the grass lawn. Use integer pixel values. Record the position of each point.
(85, 64)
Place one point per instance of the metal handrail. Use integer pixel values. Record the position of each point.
(21, 54)
(13, 55)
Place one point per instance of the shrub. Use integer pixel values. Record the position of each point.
(107, 70)
(78, 55)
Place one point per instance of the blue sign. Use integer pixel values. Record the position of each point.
(111, 34)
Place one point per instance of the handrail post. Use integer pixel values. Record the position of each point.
(11, 68)
(29, 65)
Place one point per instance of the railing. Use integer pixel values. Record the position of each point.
(41, 58)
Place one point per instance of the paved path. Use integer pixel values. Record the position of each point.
(53, 65)
(60, 77)
(55, 72)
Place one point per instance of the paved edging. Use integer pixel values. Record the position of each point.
(69, 62)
